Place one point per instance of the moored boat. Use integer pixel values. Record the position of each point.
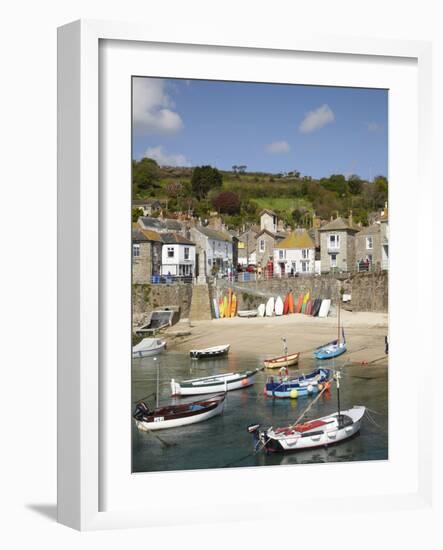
(288, 360)
(301, 386)
(213, 351)
(217, 383)
(336, 347)
(148, 347)
(320, 432)
(173, 416)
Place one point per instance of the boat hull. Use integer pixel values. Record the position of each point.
(163, 423)
(283, 361)
(237, 382)
(304, 385)
(331, 434)
(330, 352)
(149, 352)
(209, 352)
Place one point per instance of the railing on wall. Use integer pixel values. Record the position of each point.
(171, 279)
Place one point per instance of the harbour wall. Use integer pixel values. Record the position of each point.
(146, 298)
(369, 292)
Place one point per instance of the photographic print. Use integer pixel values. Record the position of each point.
(260, 265)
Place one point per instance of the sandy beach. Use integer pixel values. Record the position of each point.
(365, 333)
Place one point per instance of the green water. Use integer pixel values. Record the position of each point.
(223, 440)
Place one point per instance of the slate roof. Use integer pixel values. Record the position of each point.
(297, 239)
(266, 211)
(160, 224)
(213, 234)
(337, 225)
(370, 230)
(144, 235)
(175, 238)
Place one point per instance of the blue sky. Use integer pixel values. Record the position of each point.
(267, 127)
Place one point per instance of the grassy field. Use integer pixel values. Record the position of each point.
(282, 204)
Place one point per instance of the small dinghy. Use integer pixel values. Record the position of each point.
(320, 432)
(306, 384)
(270, 305)
(334, 348)
(148, 347)
(279, 306)
(218, 383)
(247, 313)
(215, 351)
(283, 361)
(286, 360)
(261, 310)
(173, 416)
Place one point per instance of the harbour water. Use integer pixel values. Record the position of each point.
(223, 441)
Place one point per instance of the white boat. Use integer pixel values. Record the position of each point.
(247, 313)
(261, 310)
(174, 416)
(324, 308)
(270, 304)
(321, 432)
(214, 384)
(148, 347)
(279, 306)
(209, 352)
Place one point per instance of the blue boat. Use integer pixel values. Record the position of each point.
(306, 384)
(336, 347)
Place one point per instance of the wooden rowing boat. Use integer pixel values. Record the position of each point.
(214, 351)
(214, 384)
(174, 416)
(283, 361)
(301, 386)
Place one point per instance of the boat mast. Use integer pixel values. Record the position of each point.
(158, 378)
(338, 324)
(337, 378)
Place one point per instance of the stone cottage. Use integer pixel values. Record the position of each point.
(368, 248)
(146, 255)
(337, 245)
(214, 253)
(384, 238)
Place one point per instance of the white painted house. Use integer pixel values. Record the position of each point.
(178, 256)
(295, 254)
(214, 250)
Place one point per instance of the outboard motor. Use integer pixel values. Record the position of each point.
(141, 410)
(254, 429)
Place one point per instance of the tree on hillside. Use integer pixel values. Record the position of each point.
(145, 175)
(205, 178)
(355, 184)
(136, 214)
(336, 183)
(227, 202)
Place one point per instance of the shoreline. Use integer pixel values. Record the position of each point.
(364, 331)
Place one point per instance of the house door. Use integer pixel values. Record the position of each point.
(282, 268)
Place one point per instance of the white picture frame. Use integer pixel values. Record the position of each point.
(84, 260)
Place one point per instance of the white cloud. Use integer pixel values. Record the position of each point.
(153, 109)
(166, 159)
(314, 120)
(277, 147)
(373, 126)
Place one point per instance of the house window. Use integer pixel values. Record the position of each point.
(334, 241)
(305, 253)
(369, 243)
(170, 252)
(262, 245)
(333, 260)
(305, 267)
(135, 250)
(186, 252)
(281, 254)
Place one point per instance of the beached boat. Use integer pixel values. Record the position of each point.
(148, 347)
(214, 384)
(173, 416)
(209, 352)
(261, 310)
(321, 432)
(288, 360)
(301, 386)
(279, 306)
(247, 313)
(336, 347)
